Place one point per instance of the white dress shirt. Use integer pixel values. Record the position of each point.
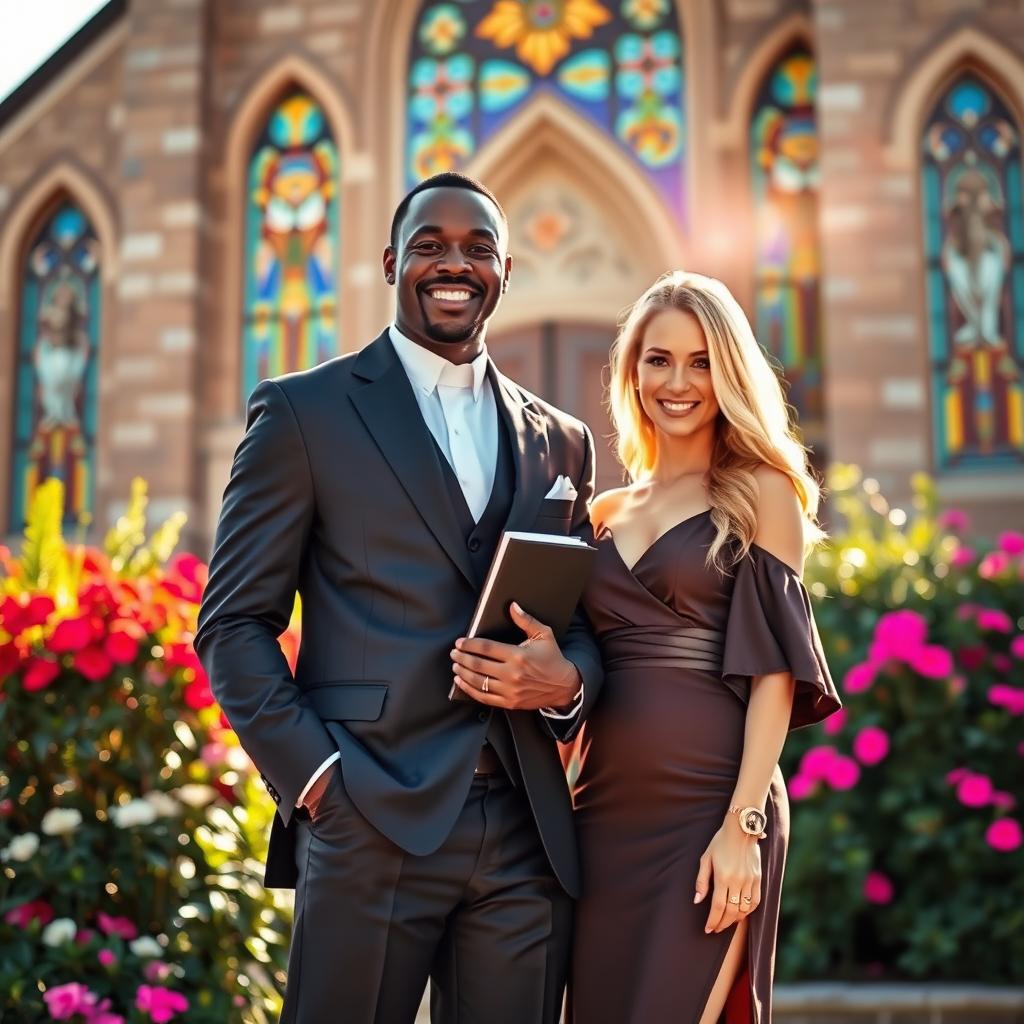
(458, 406)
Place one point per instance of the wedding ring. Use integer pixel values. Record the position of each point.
(487, 684)
(734, 899)
(748, 899)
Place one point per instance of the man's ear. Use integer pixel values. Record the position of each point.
(508, 274)
(390, 259)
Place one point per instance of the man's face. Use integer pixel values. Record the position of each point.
(450, 266)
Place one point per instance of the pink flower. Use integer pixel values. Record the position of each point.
(835, 722)
(963, 557)
(213, 754)
(995, 563)
(100, 1015)
(966, 611)
(117, 926)
(24, 914)
(84, 936)
(107, 957)
(954, 776)
(957, 684)
(1004, 835)
(801, 787)
(871, 745)
(859, 678)
(954, 519)
(156, 970)
(1017, 646)
(994, 620)
(900, 634)
(878, 888)
(814, 764)
(974, 790)
(1009, 697)
(1004, 801)
(160, 1003)
(1012, 542)
(842, 772)
(932, 661)
(64, 1001)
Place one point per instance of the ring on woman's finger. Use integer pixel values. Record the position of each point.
(748, 899)
(734, 899)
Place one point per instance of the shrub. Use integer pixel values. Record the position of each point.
(131, 827)
(905, 859)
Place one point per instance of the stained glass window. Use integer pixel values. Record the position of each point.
(784, 169)
(291, 243)
(57, 365)
(974, 241)
(618, 63)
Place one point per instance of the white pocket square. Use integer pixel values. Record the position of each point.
(562, 490)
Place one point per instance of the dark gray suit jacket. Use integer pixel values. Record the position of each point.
(336, 492)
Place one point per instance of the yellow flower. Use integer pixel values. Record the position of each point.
(541, 30)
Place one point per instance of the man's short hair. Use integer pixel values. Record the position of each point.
(447, 179)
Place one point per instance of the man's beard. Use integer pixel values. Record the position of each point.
(453, 334)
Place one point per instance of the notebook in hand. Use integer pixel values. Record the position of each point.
(544, 572)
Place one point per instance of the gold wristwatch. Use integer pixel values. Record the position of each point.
(752, 820)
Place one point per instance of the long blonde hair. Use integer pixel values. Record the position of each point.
(753, 427)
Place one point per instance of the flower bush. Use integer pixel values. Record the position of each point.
(131, 827)
(906, 853)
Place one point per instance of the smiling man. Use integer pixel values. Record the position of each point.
(425, 838)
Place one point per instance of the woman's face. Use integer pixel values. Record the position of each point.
(674, 375)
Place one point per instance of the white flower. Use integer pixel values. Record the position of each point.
(146, 945)
(163, 803)
(195, 794)
(59, 932)
(238, 759)
(59, 821)
(135, 812)
(21, 847)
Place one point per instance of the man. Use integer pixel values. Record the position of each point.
(425, 837)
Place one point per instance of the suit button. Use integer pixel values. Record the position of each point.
(483, 715)
(474, 544)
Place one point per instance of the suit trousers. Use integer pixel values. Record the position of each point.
(483, 918)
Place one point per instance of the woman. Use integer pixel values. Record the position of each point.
(711, 654)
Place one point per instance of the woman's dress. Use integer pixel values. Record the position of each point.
(658, 760)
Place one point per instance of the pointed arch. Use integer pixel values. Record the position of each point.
(57, 418)
(942, 58)
(248, 123)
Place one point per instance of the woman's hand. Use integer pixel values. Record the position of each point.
(734, 859)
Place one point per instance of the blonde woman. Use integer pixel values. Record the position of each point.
(711, 655)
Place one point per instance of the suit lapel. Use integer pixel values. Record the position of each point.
(387, 405)
(528, 435)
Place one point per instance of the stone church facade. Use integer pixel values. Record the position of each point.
(196, 193)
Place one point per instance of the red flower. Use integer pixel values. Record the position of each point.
(18, 615)
(70, 635)
(97, 599)
(10, 659)
(198, 694)
(24, 914)
(93, 663)
(181, 656)
(39, 674)
(96, 562)
(122, 926)
(121, 648)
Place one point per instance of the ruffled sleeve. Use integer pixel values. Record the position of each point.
(771, 628)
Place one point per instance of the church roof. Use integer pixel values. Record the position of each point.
(52, 67)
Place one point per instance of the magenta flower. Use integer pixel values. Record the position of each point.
(835, 722)
(900, 634)
(117, 926)
(859, 678)
(954, 776)
(1017, 646)
(871, 745)
(801, 787)
(1004, 801)
(974, 790)
(1012, 542)
(107, 957)
(842, 772)
(995, 620)
(954, 519)
(24, 914)
(1009, 697)
(932, 661)
(156, 970)
(995, 563)
(814, 764)
(64, 1001)
(963, 557)
(1004, 835)
(972, 658)
(878, 888)
(160, 1003)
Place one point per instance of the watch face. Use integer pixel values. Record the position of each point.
(753, 820)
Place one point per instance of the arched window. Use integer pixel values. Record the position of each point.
(974, 241)
(291, 243)
(57, 367)
(784, 172)
(617, 63)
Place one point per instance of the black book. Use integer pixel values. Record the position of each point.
(544, 573)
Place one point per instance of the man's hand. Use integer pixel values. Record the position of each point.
(526, 677)
(312, 799)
